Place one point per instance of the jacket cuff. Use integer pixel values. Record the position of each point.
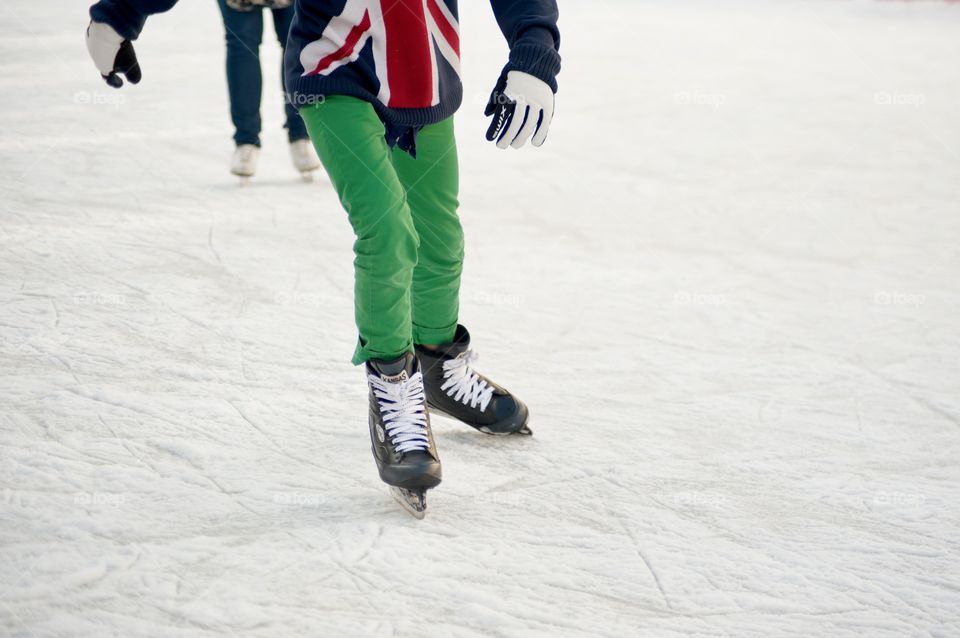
(539, 60)
(124, 19)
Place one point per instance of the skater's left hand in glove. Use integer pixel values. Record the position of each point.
(522, 109)
(113, 54)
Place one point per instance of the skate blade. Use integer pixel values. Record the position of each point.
(523, 431)
(414, 501)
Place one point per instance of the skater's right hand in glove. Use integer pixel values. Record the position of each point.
(521, 108)
(112, 54)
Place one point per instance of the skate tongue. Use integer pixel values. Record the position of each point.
(395, 378)
(394, 371)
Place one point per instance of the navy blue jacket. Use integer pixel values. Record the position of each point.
(402, 56)
(127, 16)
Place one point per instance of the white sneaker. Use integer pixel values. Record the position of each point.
(244, 162)
(304, 157)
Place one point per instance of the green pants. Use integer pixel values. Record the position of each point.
(409, 242)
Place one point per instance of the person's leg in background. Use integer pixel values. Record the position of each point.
(244, 32)
(296, 129)
(349, 138)
(432, 182)
(301, 150)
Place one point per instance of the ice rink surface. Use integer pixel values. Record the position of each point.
(727, 287)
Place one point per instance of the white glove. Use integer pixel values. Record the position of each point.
(112, 54)
(523, 109)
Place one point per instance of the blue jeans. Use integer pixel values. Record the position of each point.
(244, 31)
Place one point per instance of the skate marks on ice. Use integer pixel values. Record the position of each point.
(768, 446)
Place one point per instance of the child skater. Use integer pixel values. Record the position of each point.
(377, 83)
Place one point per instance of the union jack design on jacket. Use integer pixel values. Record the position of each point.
(403, 56)
(407, 37)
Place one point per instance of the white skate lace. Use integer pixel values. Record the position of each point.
(464, 384)
(403, 409)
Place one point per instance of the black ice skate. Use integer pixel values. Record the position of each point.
(400, 432)
(456, 390)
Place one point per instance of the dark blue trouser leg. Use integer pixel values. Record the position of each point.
(244, 31)
(296, 130)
